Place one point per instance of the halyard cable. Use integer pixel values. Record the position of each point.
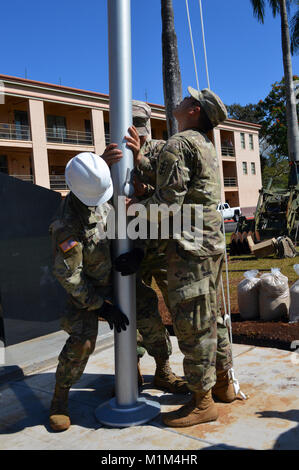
(227, 308)
(192, 44)
(204, 43)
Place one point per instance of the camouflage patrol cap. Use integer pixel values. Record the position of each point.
(211, 103)
(141, 117)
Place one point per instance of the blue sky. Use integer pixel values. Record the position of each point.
(67, 41)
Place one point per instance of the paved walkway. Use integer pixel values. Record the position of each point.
(267, 420)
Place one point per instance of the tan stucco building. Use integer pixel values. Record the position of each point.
(43, 125)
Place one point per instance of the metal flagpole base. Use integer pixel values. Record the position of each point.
(112, 414)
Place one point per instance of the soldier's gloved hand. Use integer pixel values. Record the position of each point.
(139, 187)
(114, 316)
(128, 263)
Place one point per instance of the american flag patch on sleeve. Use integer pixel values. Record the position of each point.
(68, 244)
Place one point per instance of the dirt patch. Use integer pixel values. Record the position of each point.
(278, 334)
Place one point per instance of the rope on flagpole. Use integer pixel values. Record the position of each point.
(204, 43)
(192, 44)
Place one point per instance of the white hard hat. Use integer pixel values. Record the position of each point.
(88, 177)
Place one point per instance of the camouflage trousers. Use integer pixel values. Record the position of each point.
(194, 293)
(82, 326)
(152, 335)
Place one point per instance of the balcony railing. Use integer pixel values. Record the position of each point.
(28, 178)
(64, 136)
(227, 151)
(230, 181)
(14, 132)
(57, 182)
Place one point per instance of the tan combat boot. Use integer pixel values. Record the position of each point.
(59, 416)
(167, 380)
(200, 409)
(223, 389)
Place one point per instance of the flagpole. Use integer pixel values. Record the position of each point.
(126, 409)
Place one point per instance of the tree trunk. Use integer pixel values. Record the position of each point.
(172, 83)
(292, 119)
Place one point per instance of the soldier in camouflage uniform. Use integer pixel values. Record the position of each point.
(82, 265)
(153, 265)
(187, 172)
(152, 336)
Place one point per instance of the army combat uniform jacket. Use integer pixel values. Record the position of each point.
(186, 171)
(82, 260)
(146, 171)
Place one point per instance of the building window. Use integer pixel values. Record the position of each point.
(251, 142)
(56, 128)
(21, 125)
(3, 164)
(244, 164)
(88, 133)
(253, 168)
(87, 125)
(242, 140)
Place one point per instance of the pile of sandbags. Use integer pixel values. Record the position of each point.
(294, 294)
(267, 297)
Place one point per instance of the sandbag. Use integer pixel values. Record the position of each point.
(274, 295)
(248, 295)
(294, 298)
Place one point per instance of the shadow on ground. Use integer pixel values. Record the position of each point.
(25, 403)
(284, 440)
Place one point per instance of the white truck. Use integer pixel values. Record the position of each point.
(229, 212)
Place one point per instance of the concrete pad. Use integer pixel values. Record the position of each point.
(20, 441)
(239, 349)
(144, 437)
(268, 419)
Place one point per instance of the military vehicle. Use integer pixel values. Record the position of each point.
(276, 216)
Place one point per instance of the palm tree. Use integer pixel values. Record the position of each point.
(281, 6)
(172, 83)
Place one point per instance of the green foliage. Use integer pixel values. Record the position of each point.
(278, 170)
(247, 113)
(294, 30)
(270, 113)
(259, 8)
(259, 12)
(273, 118)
